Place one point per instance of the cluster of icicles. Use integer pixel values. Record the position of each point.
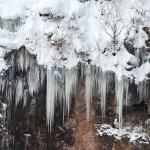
(61, 86)
(22, 81)
(24, 78)
(11, 25)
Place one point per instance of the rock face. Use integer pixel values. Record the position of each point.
(66, 65)
(23, 89)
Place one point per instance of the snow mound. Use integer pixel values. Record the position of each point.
(54, 8)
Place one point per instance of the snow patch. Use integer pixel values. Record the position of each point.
(136, 134)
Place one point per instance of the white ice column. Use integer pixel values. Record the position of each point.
(70, 85)
(89, 82)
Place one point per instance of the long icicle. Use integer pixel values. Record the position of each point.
(103, 81)
(50, 98)
(70, 85)
(119, 88)
(89, 77)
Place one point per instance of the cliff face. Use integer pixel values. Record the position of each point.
(50, 50)
(78, 98)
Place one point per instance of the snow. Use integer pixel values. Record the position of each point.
(53, 7)
(79, 26)
(135, 134)
(141, 73)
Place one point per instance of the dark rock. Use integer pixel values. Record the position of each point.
(129, 47)
(146, 28)
(140, 107)
(44, 15)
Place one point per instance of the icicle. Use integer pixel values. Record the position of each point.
(27, 62)
(11, 25)
(9, 92)
(51, 95)
(25, 98)
(143, 90)
(42, 77)
(89, 81)
(137, 55)
(2, 84)
(143, 54)
(82, 70)
(19, 91)
(21, 60)
(103, 81)
(70, 85)
(119, 88)
(33, 80)
(126, 86)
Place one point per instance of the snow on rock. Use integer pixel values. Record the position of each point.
(141, 73)
(66, 32)
(135, 134)
(53, 8)
(11, 10)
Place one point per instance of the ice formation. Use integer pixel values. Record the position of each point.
(11, 25)
(103, 85)
(19, 91)
(121, 87)
(61, 86)
(52, 91)
(89, 82)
